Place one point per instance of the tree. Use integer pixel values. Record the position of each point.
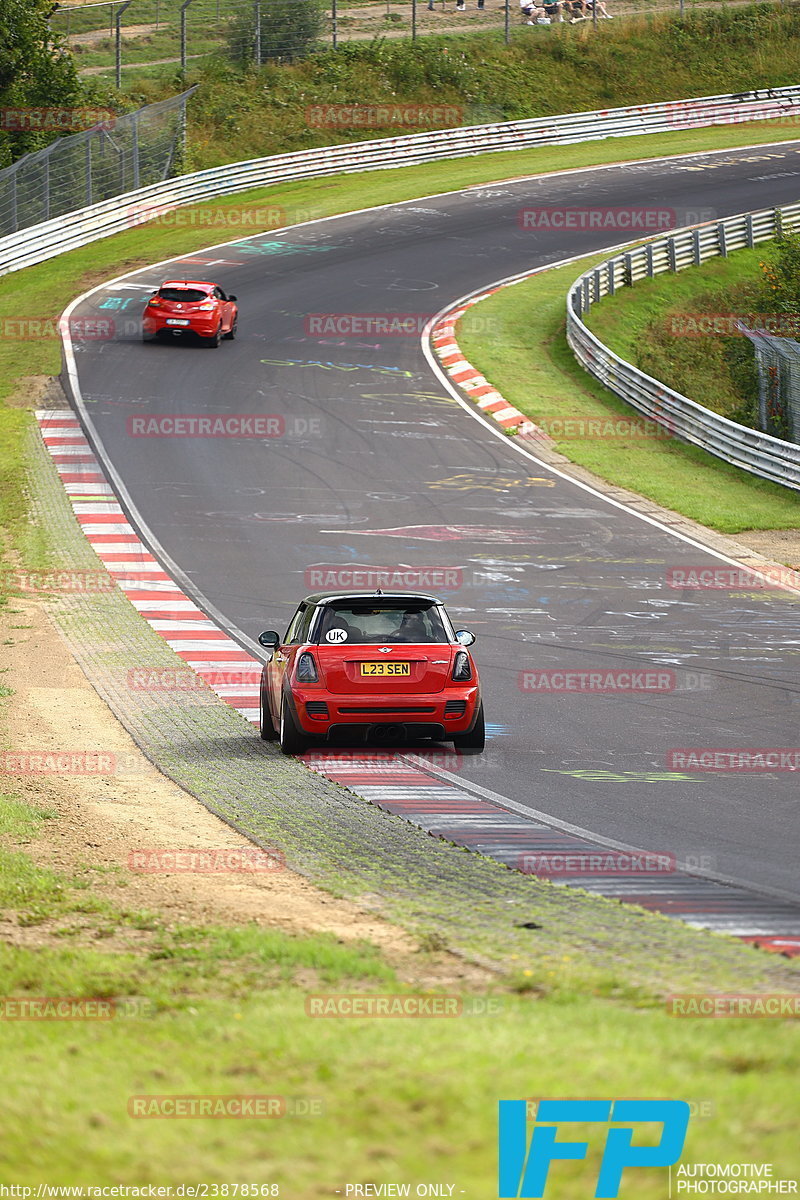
(35, 71)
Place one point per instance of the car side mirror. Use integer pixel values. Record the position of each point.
(465, 637)
(233, 297)
(270, 640)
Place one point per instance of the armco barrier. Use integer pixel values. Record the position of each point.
(85, 225)
(759, 453)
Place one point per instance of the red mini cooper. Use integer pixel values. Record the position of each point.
(370, 666)
(189, 306)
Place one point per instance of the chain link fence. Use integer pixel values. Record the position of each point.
(118, 155)
(778, 364)
(154, 36)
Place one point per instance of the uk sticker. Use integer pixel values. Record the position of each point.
(336, 635)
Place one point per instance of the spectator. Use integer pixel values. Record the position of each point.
(553, 10)
(528, 9)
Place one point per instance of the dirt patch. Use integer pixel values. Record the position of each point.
(101, 35)
(781, 545)
(102, 819)
(38, 391)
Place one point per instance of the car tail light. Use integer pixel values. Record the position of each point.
(306, 669)
(154, 302)
(206, 306)
(462, 668)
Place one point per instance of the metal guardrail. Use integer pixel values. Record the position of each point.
(756, 452)
(85, 225)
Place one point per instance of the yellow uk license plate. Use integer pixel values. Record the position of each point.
(383, 668)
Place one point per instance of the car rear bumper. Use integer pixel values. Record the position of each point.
(204, 328)
(322, 714)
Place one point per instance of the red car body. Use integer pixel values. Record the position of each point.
(183, 306)
(368, 666)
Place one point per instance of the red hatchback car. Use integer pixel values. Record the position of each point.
(370, 666)
(190, 306)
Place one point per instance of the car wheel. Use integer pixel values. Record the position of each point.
(265, 726)
(474, 741)
(292, 740)
(231, 334)
(215, 338)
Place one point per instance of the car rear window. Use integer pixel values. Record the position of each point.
(369, 623)
(182, 295)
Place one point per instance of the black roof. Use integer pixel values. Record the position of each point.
(329, 597)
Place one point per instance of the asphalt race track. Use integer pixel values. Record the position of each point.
(377, 465)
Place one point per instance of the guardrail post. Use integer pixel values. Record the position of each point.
(118, 42)
(696, 251)
(649, 260)
(778, 223)
(748, 230)
(46, 187)
(722, 239)
(612, 264)
(672, 255)
(258, 33)
(587, 295)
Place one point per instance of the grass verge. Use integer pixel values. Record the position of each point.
(216, 1011)
(531, 364)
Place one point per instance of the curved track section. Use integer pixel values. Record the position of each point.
(377, 465)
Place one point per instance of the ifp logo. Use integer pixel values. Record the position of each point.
(524, 1167)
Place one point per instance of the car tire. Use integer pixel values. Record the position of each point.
(292, 739)
(265, 726)
(474, 741)
(215, 339)
(231, 334)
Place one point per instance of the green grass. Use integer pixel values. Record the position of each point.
(532, 366)
(640, 325)
(221, 1011)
